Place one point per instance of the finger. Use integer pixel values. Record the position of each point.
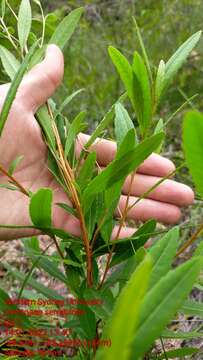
(42, 81)
(150, 209)
(169, 191)
(126, 232)
(154, 165)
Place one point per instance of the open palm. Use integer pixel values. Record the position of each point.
(22, 136)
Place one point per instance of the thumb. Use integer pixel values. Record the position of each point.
(42, 81)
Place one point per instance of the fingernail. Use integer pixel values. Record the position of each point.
(50, 48)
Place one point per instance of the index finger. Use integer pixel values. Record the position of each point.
(155, 164)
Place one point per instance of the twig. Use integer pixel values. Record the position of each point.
(122, 222)
(69, 177)
(191, 240)
(20, 187)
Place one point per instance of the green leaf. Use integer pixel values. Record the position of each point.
(104, 123)
(120, 168)
(177, 60)
(123, 123)
(86, 172)
(9, 62)
(160, 77)
(14, 87)
(124, 69)
(168, 334)
(3, 8)
(163, 253)
(104, 309)
(159, 128)
(6, 305)
(192, 308)
(131, 160)
(193, 146)
(9, 187)
(125, 248)
(143, 108)
(88, 321)
(199, 249)
(66, 28)
(75, 128)
(144, 52)
(68, 100)
(124, 319)
(67, 208)
(47, 265)
(122, 272)
(44, 120)
(53, 168)
(14, 164)
(40, 288)
(177, 353)
(40, 208)
(127, 144)
(24, 23)
(38, 56)
(162, 302)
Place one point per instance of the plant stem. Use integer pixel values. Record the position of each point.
(69, 178)
(11, 9)
(58, 247)
(122, 222)
(18, 185)
(146, 193)
(9, 36)
(191, 240)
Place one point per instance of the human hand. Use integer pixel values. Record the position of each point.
(22, 136)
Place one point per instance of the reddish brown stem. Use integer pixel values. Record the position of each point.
(191, 240)
(122, 222)
(69, 178)
(14, 181)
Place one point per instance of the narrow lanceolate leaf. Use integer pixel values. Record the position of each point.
(124, 69)
(68, 100)
(192, 308)
(40, 208)
(159, 128)
(143, 108)
(120, 168)
(76, 127)
(160, 77)
(14, 164)
(40, 288)
(193, 146)
(44, 120)
(168, 334)
(177, 353)
(104, 123)
(161, 303)
(43, 263)
(24, 22)
(9, 311)
(125, 315)
(8, 187)
(3, 8)
(177, 60)
(67, 208)
(66, 28)
(123, 123)
(9, 62)
(163, 253)
(86, 172)
(14, 87)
